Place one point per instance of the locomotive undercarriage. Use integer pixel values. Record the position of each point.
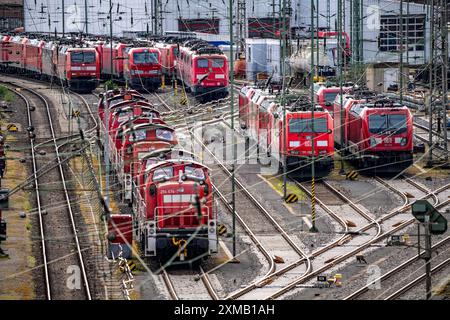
(300, 167)
(205, 94)
(384, 162)
(182, 245)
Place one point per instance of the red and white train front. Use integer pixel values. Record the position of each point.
(293, 147)
(142, 68)
(82, 69)
(176, 213)
(203, 69)
(379, 136)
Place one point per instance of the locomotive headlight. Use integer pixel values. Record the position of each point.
(211, 230)
(403, 141)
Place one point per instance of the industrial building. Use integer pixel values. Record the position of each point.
(11, 14)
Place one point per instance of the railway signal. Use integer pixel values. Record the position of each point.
(434, 223)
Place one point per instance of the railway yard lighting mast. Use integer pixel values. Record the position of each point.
(401, 53)
(313, 191)
(438, 68)
(340, 66)
(283, 90)
(233, 142)
(63, 18)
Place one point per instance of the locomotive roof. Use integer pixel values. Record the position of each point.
(149, 126)
(175, 161)
(156, 153)
(131, 107)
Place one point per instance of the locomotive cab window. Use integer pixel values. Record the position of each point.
(164, 134)
(145, 58)
(82, 57)
(194, 173)
(163, 173)
(202, 63)
(331, 96)
(379, 123)
(217, 63)
(305, 125)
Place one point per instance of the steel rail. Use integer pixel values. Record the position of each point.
(393, 271)
(63, 181)
(38, 200)
(413, 283)
(247, 229)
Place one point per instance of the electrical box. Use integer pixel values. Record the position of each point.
(2, 230)
(4, 199)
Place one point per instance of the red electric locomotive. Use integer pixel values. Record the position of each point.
(378, 134)
(75, 66)
(325, 96)
(169, 53)
(203, 69)
(263, 119)
(142, 67)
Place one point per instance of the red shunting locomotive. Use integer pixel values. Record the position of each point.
(170, 192)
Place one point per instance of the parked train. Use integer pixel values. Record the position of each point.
(325, 96)
(136, 63)
(202, 69)
(169, 190)
(377, 133)
(65, 60)
(261, 115)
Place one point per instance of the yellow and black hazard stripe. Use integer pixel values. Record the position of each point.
(183, 100)
(221, 229)
(352, 175)
(131, 265)
(76, 113)
(12, 127)
(291, 198)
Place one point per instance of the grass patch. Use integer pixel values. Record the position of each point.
(31, 262)
(28, 226)
(6, 94)
(110, 85)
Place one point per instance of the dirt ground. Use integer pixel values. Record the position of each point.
(16, 271)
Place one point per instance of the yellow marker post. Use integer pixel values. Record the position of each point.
(163, 82)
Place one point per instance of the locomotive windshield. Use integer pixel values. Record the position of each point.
(202, 63)
(145, 58)
(82, 57)
(329, 97)
(217, 63)
(305, 125)
(379, 123)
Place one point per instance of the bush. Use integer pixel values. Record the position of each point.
(6, 94)
(110, 85)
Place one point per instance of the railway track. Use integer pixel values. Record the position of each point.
(344, 239)
(59, 236)
(268, 235)
(188, 285)
(392, 278)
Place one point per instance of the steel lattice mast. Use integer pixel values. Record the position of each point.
(438, 68)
